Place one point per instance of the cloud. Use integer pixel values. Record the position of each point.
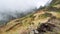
(13, 8)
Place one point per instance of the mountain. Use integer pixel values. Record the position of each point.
(45, 20)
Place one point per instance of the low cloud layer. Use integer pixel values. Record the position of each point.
(13, 8)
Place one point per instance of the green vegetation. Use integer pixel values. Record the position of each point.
(45, 15)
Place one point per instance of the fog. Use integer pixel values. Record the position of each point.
(10, 9)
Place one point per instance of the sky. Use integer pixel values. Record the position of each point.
(12, 7)
(21, 4)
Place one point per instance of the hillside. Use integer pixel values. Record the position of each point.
(43, 21)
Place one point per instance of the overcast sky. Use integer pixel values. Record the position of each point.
(21, 4)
